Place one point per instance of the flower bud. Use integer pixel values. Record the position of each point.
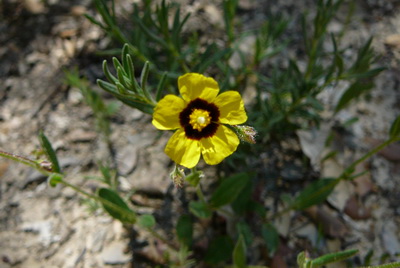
(246, 133)
(177, 176)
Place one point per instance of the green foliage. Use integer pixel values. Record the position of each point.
(51, 155)
(239, 253)
(125, 87)
(146, 221)
(54, 179)
(228, 190)
(200, 209)
(219, 250)
(394, 131)
(304, 262)
(117, 207)
(184, 230)
(314, 193)
(287, 99)
(271, 238)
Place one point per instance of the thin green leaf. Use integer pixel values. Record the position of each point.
(215, 57)
(110, 88)
(354, 91)
(333, 257)
(395, 128)
(219, 250)
(239, 253)
(111, 78)
(271, 238)
(146, 221)
(161, 86)
(244, 230)
(314, 193)
(301, 259)
(388, 265)
(94, 21)
(184, 229)
(229, 189)
(200, 209)
(120, 209)
(51, 155)
(54, 179)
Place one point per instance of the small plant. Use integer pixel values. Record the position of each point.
(207, 118)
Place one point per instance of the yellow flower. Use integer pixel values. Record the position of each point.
(200, 117)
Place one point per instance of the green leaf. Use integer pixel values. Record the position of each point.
(48, 149)
(388, 265)
(395, 128)
(161, 86)
(200, 209)
(314, 193)
(243, 201)
(229, 189)
(219, 250)
(302, 259)
(54, 179)
(244, 230)
(271, 238)
(239, 253)
(146, 221)
(354, 91)
(119, 210)
(184, 229)
(333, 257)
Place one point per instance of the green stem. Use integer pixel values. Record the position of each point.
(97, 198)
(347, 171)
(25, 161)
(163, 239)
(368, 155)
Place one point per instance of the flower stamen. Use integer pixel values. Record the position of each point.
(199, 119)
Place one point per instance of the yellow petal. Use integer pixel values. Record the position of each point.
(193, 85)
(218, 147)
(182, 150)
(166, 112)
(231, 108)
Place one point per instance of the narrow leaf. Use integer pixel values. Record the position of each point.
(48, 149)
(200, 209)
(184, 230)
(388, 265)
(220, 249)
(54, 179)
(395, 128)
(239, 253)
(271, 238)
(229, 189)
(333, 257)
(146, 221)
(354, 91)
(119, 210)
(314, 193)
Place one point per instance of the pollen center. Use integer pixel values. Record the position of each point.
(199, 119)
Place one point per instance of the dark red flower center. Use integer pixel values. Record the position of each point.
(207, 131)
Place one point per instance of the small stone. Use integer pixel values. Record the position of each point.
(115, 253)
(127, 159)
(393, 40)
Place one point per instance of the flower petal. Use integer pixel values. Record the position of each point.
(231, 108)
(166, 113)
(219, 146)
(183, 151)
(193, 85)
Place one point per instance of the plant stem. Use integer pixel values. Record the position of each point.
(99, 199)
(163, 239)
(25, 161)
